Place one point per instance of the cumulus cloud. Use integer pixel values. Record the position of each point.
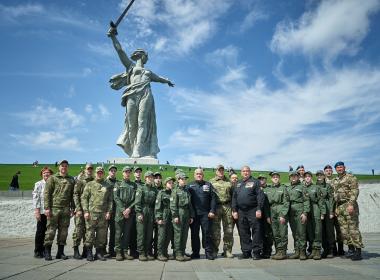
(332, 28)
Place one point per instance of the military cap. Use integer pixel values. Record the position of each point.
(219, 166)
(319, 172)
(328, 166)
(339, 163)
(274, 173)
(99, 168)
(112, 166)
(148, 173)
(63, 161)
(293, 173)
(157, 174)
(179, 171)
(127, 168)
(89, 165)
(308, 173)
(169, 179)
(181, 176)
(299, 167)
(262, 176)
(137, 168)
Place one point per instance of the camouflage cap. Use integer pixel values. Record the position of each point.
(181, 176)
(339, 163)
(99, 169)
(179, 171)
(137, 168)
(308, 173)
(127, 168)
(219, 166)
(293, 173)
(272, 173)
(63, 161)
(157, 174)
(262, 176)
(319, 172)
(169, 179)
(148, 173)
(112, 166)
(89, 165)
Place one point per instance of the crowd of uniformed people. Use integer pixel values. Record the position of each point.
(148, 217)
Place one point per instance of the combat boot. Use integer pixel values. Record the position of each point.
(311, 256)
(119, 256)
(357, 256)
(303, 255)
(340, 249)
(84, 252)
(187, 258)
(60, 253)
(111, 253)
(130, 257)
(90, 256)
(77, 256)
(317, 255)
(180, 258)
(330, 253)
(280, 255)
(228, 254)
(350, 252)
(162, 258)
(48, 253)
(100, 255)
(295, 256)
(142, 258)
(151, 258)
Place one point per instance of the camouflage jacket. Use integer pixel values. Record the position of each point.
(346, 189)
(328, 196)
(97, 197)
(278, 199)
(78, 191)
(162, 208)
(222, 189)
(181, 199)
(298, 195)
(316, 196)
(145, 198)
(59, 192)
(124, 197)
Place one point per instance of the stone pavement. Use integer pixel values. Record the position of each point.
(17, 262)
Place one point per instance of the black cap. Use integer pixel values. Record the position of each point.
(328, 166)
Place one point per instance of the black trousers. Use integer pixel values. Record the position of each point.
(40, 235)
(204, 223)
(250, 231)
(111, 240)
(133, 240)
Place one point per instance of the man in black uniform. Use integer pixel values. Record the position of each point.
(247, 205)
(203, 199)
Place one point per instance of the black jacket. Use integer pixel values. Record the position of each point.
(203, 197)
(248, 195)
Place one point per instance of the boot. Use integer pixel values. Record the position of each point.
(162, 258)
(303, 255)
(180, 258)
(340, 249)
(142, 258)
(187, 258)
(151, 257)
(350, 252)
(280, 255)
(84, 252)
(89, 254)
(111, 253)
(60, 253)
(296, 255)
(325, 253)
(100, 255)
(357, 255)
(311, 254)
(317, 254)
(228, 254)
(48, 253)
(77, 256)
(130, 257)
(119, 256)
(330, 253)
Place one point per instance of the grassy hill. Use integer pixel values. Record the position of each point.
(30, 175)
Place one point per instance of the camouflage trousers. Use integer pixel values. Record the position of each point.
(145, 231)
(79, 230)
(60, 220)
(181, 232)
(96, 230)
(279, 231)
(298, 229)
(224, 216)
(349, 225)
(314, 227)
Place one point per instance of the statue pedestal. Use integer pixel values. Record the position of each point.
(132, 161)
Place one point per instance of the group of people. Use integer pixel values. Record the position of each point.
(140, 219)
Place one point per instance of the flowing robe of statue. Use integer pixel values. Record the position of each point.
(139, 137)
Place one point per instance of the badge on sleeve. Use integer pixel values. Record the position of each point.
(249, 185)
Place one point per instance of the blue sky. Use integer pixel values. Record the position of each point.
(263, 83)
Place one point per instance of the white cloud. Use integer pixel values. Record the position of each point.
(88, 108)
(104, 49)
(47, 140)
(12, 12)
(254, 15)
(333, 28)
(100, 112)
(104, 113)
(223, 57)
(320, 121)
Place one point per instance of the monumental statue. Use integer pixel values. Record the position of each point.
(139, 137)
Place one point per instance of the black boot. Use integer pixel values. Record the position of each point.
(84, 252)
(90, 257)
(60, 253)
(357, 256)
(77, 256)
(335, 250)
(48, 253)
(100, 255)
(340, 249)
(350, 252)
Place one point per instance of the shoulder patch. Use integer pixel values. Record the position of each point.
(171, 199)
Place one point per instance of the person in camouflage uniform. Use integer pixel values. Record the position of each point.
(316, 215)
(97, 207)
(80, 227)
(223, 191)
(278, 199)
(163, 218)
(59, 205)
(144, 206)
(267, 229)
(153, 248)
(183, 214)
(298, 212)
(328, 235)
(346, 192)
(124, 197)
(301, 172)
(328, 170)
(113, 182)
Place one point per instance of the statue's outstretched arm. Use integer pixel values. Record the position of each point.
(121, 53)
(156, 78)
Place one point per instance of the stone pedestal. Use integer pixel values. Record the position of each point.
(131, 161)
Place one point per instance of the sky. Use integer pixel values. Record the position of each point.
(261, 83)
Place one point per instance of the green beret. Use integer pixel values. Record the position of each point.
(339, 163)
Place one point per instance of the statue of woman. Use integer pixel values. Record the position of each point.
(139, 138)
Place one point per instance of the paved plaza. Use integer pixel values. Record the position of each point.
(17, 262)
